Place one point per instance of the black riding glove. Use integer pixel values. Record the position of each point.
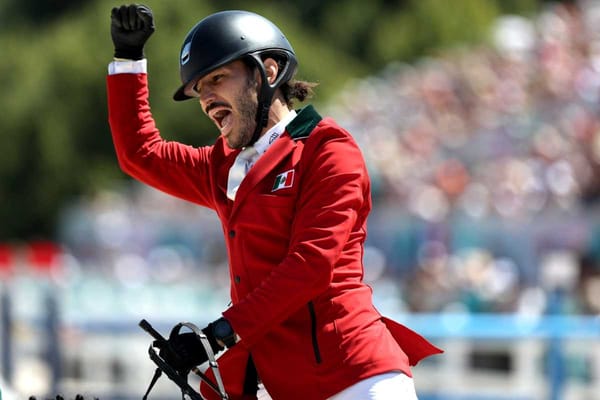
(184, 351)
(130, 28)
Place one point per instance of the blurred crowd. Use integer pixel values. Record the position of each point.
(485, 165)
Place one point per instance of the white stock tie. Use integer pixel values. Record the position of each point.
(238, 170)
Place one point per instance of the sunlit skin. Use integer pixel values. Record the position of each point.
(228, 95)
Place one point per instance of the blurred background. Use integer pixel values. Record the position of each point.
(480, 123)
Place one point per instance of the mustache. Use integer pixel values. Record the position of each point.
(214, 105)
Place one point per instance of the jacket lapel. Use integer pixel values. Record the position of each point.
(265, 164)
(300, 128)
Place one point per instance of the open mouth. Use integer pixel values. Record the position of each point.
(222, 118)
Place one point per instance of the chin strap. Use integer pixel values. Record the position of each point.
(267, 91)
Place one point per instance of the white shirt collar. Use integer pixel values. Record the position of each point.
(265, 141)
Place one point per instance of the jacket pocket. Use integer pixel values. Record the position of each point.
(313, 332)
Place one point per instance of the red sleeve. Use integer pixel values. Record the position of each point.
(172, 167)
(332, 205)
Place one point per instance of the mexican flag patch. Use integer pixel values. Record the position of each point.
(284, 180)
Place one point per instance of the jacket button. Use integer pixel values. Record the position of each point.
(236, 279)
(231, 233)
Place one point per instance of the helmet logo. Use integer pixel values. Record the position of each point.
(185, 53)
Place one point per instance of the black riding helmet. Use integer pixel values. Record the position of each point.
(227, 36)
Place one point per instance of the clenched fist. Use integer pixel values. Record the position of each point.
(130, 28)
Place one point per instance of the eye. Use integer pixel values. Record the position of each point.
(196, 89)
(209, 82)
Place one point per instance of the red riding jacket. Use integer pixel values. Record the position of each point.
(294, 235)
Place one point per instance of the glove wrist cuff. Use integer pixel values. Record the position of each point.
(223, 332)
(129, 54)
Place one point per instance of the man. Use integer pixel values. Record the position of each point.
(292, 193)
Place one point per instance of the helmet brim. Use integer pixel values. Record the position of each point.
(180, 94)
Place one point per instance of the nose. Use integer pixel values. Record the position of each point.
(206, 98)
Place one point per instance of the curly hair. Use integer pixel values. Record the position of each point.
(293, 89)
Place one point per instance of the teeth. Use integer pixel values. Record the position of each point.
(225, 121)
(219, 115)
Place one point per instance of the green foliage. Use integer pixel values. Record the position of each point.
(55, 139)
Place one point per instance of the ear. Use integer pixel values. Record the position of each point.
(272, 69)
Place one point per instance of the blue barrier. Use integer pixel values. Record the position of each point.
(503, 326)
(445, 326)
